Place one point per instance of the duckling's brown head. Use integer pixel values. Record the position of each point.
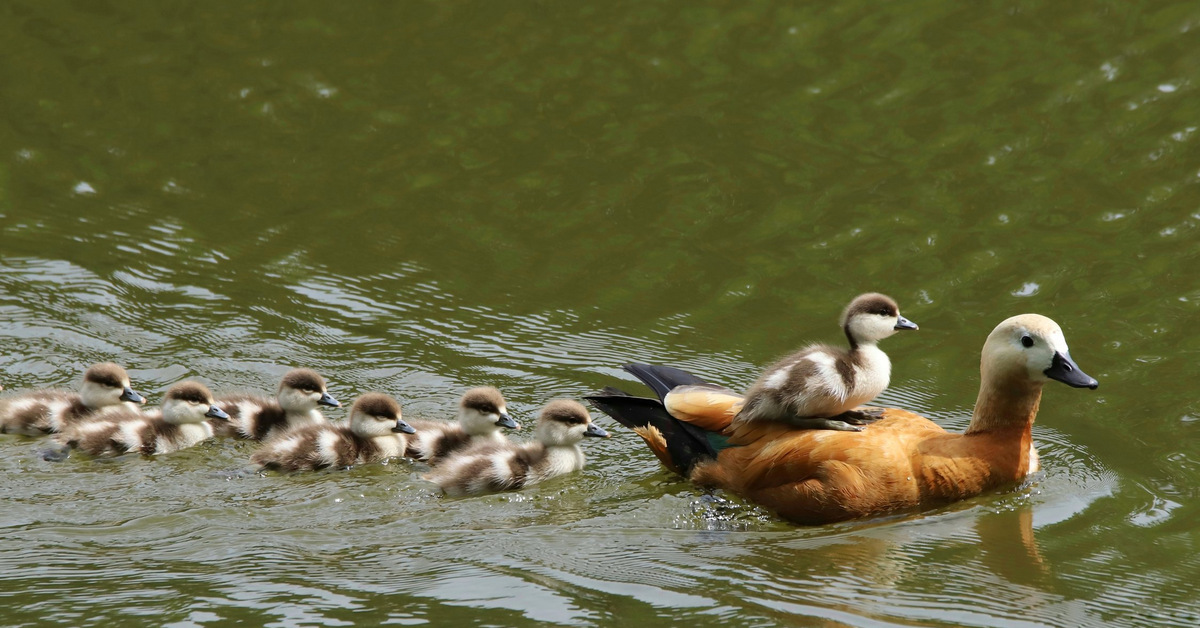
(302, 390)
(377, 414)
(190, 402)
(871, 317)
(1031, 347)
(483, 411)
(566, 422)
(107, 384)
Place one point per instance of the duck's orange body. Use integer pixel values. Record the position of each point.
(899, 462)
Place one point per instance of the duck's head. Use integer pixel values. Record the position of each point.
(376, 414)
(483, 411)
(1032, 347)
(302, 390)
(107, 384)
(872, 317)
(566, 422)
(190, 402)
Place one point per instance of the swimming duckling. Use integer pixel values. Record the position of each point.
(256, 417)
(818, 382)
(181, 423)
(482, 413)
(105, 386)
(900, 462)
(375, 433)
(509, 466)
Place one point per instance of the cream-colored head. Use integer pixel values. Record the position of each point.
(302, 390)
(375, 414)
(872, 317)
(107, 384)
(482, 411)
(565, 422)
(1030, 347)
(190, 402)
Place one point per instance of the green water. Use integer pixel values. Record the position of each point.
(420, 197)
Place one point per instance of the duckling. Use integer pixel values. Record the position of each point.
(482, 413)
(255, 417)
(181, 423)
(818, 382)
(900, 462)
(509, 466)
(105, 386)
(375, 433)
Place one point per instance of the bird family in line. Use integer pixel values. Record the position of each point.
(799, 442)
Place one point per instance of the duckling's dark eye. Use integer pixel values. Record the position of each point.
(1026, 341)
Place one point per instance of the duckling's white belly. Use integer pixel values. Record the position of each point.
(560, 460)
(391, 446)
(303, 419)
(871, 376)
(189, 435)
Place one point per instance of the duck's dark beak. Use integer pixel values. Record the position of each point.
(328, 400)
(403, 428)
(128, 395)
(904, 323)
(216, 413)
(595, 430)
(507, 421)
(1064, 369)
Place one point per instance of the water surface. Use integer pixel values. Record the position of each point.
(420, 197)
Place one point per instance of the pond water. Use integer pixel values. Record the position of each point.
(419, 197)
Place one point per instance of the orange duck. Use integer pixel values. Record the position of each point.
(899, 462)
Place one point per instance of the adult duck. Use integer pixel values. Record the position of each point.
(899, 462)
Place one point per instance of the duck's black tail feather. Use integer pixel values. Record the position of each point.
(687, 444)
(662, 379)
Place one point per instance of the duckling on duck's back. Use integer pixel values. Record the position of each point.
(105, 385)
(822, 381)
(899, 462)
(255, 417)
(376, 432)
(179, 424)
(563, 423)
(482, 413)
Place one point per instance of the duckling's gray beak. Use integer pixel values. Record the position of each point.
(1064, 369)
(328, 400)
(595, 430)
(507, 421)
(216, 413)
(903, 324)
(403, 428)
(128, 395)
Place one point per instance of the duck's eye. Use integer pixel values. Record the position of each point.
(1026, 341)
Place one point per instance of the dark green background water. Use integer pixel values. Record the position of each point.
(419, 197)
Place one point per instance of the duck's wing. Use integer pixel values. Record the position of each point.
(678, 444)
(709, 407)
